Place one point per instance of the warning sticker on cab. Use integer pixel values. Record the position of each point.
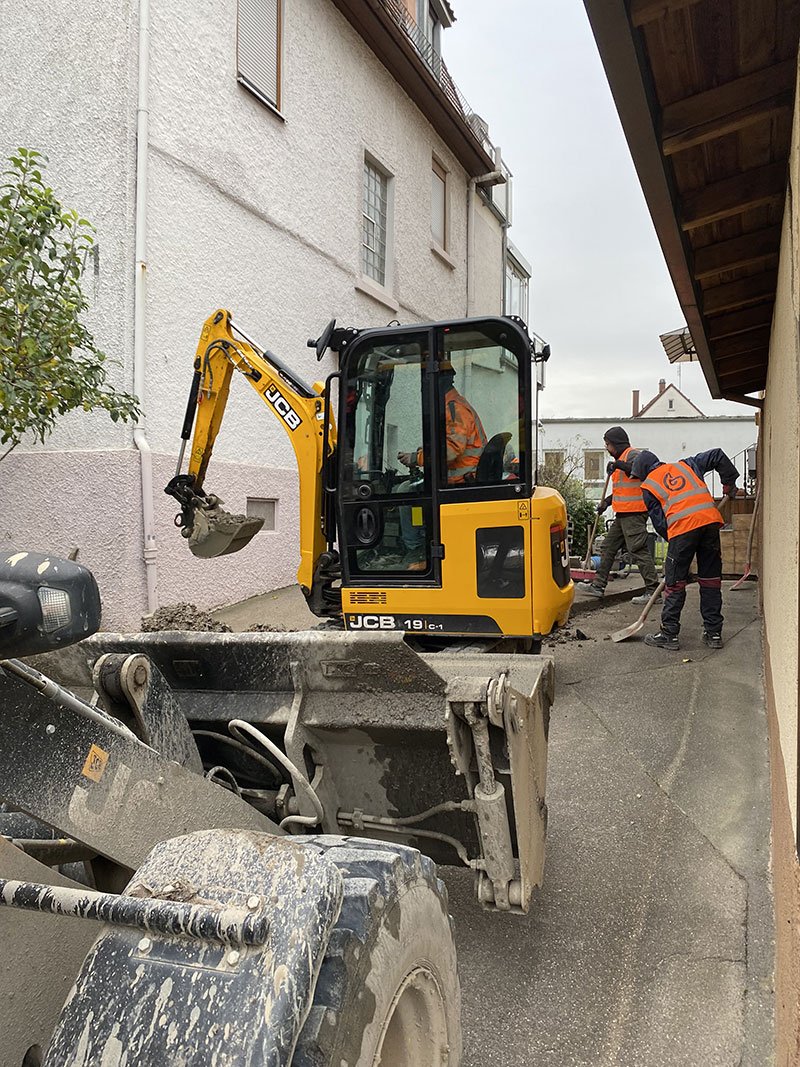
(523, 509)
(95, 764)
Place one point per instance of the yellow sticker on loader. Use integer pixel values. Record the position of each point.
(523, 509)
(95, 764)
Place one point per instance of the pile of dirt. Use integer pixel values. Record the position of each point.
(182, 617)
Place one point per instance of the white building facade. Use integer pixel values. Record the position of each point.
(255, 155)
(670, 425)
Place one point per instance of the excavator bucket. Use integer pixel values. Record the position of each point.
(216, 532)
(446, 752)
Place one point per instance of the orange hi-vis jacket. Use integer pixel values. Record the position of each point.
(684, 497)
(466, 437)
(626, 493)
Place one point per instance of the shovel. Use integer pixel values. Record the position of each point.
(590, 542)
(635, 627)
(746, 575)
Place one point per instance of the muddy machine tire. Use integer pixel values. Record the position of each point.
(388, 990)
(314, 952)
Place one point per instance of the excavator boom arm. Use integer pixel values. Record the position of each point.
(221, 350)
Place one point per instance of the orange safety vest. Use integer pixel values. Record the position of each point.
(684, 497)
(626, 493)
(466, 438)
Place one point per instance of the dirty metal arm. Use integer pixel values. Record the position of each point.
(205, 922)
(63, 698)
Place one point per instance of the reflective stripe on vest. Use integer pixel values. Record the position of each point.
(626, 493)
(684, 497)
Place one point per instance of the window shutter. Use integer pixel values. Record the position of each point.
(258, 47)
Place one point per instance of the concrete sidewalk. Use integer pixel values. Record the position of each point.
(651, 942)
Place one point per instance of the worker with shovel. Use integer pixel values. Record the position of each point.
(682, 510)
(629, 527)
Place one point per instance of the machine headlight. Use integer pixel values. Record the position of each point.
(56, 608)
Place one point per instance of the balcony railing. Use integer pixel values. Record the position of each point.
(436, 65)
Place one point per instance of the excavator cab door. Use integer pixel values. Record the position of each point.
(386, 518)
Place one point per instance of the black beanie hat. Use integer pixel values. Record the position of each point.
(616, 436)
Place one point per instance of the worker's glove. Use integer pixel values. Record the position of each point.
(601, 507)
(408, 459)
(618, 465)
(730, 491)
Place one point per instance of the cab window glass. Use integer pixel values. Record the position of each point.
(384, 443)
(481, 408)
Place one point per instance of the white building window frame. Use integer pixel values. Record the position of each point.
(250, 30)
(440, 173)
(517, 272)
(373, 196)
(594, 464)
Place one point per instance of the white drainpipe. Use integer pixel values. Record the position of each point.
(472, 186)
(140, 305)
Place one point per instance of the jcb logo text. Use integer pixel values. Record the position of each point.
(283, 407)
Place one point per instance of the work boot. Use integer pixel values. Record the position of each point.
(662, 640)
(644, 597)
(593, 590)
(713, 640)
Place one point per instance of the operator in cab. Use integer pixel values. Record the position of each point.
(466, 437)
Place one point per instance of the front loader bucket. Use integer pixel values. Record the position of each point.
(446, 752)
(216, 532)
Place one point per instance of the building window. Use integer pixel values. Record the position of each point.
(593, 465)
(262, 508)
(517, 289)
(554, 462)
(375, 215)
(258, 48)
(439, 204)
(670, 404)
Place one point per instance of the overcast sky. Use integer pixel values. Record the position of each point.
(601, 294)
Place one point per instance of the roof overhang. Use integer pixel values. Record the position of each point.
(379, 22)
(705, 93)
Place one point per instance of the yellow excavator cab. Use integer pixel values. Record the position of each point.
(421, 514)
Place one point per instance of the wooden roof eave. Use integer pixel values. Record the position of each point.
(619, 52)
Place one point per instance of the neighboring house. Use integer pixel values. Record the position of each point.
(289, 161)
(669, 425)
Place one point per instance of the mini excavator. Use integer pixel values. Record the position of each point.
(410, 520)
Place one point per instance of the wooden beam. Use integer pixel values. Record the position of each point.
(733, 196)
(744, 251)
(644, 11)
(739, 322)
(729, 107)
(734, 368)
(740, 344)
(747, 381)
(733, 295)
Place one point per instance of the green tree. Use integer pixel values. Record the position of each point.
(564, 476)
(49, 361)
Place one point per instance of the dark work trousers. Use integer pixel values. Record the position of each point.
(703, 543)
(628, 529)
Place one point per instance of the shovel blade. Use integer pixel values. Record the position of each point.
(629, 631)
(742, 580)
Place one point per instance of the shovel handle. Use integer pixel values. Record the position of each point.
(590, 542)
